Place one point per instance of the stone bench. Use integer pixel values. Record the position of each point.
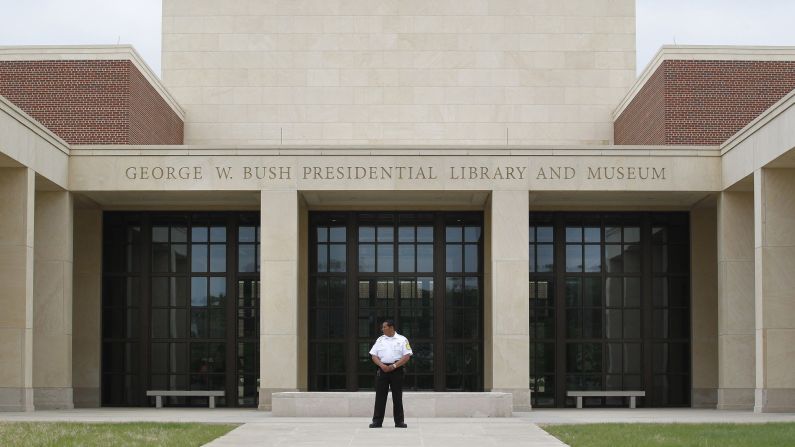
(631, 394)
(415, 404)
(158, 394)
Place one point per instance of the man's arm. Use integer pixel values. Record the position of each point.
(378, 363)
(403, 360)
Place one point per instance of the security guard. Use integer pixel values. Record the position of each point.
(390, 352)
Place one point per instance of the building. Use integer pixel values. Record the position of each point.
(491, 174)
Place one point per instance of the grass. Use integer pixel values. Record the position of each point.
(679, 435)
(109, 434)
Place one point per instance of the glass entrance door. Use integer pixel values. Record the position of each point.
(609, 307)
(423, 270)
(180, 306)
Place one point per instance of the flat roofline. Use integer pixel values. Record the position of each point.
(705, 53)
(92, 52)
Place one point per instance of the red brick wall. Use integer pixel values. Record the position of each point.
(91, 102)
(704, 102)
(643, 121)
(152, 121)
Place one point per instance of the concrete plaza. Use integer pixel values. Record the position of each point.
(262, 429)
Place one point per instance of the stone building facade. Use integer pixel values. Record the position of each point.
(490, 174)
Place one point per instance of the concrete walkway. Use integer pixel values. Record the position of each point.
(437, 432)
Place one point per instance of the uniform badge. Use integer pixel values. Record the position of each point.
(408, 346)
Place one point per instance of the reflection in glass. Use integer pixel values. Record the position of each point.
(198, 292)
(198, 258)
(217, 258)
(573, 258)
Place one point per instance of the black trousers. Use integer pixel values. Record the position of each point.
(383, 382)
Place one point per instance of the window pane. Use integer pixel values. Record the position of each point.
(159, 234)
(198, 234)
(179, 234)
(366, 257)
(543, 234)
(217, 291)
(198, 258)
(385, 234)
(471, 234)
(592, 291)
(453, 261)
(545, 258)
(322, 234)
(613, 259)
(198, 292)
(593, 258)
(471, 258)
(406, 234)
(217, 258)
(322, 258)
(573, 292)
(366, 234)
(337, 234)
(337, 258)
(613, 291)
(424, 234)
(593, 234)
(406, 258)
(386, 262)
(573, 258)
(425, 258)
(247, 258)
(454, 234)
(613, 234)
(632, 258)
(246, 234)
(218, 234)
(573, 234)
(631, 292)
(632, 234)
(179, 257)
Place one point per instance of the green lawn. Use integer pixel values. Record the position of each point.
(124, 434)
(675, 435)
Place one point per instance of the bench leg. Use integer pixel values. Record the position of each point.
(212, 401)
(579, 401)
(158, 401)
(631, 401)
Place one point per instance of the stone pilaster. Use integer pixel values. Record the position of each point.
(87, 305)
(279, 353)
(704, 307)
(17, 194)
(509, 306)
(52, 301)
(774, 254)
(736, 301)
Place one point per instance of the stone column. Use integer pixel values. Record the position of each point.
(278, 294)
(87, 305)
(704, 307)
(17, 194)
(774, 253)
(52, 301)
(509, 295)
(736, 301)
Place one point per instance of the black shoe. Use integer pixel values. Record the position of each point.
(374, 425)
(401, 425)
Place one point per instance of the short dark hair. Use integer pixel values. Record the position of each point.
(389, 323)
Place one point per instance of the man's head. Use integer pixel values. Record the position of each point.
(388, 328)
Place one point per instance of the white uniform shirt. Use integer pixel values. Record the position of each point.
(391, 349)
